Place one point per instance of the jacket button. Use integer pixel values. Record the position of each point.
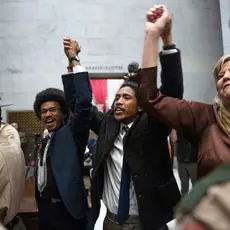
(135, 176)
(139, 196)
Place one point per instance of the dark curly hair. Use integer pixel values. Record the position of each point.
(51, 94)
(131, 84)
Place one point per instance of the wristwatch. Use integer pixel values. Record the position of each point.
(74, 58)
(169, 47)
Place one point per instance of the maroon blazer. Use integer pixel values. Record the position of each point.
(198, 121)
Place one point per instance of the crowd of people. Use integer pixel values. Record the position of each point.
(131, 171)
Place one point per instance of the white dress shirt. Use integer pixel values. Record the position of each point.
(112, 178)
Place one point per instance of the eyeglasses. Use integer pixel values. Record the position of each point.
(51, 110)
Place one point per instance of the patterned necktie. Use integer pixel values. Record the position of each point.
(123, 206)
(42, 167)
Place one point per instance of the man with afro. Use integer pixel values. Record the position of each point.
(60, 192)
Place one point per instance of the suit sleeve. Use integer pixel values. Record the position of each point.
(78, 95)
(171, 74)
(171, 80)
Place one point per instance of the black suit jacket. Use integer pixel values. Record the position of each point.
(146, 150)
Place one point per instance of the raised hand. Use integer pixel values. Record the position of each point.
(166, 35)
(71, 47)
(157, 18)
(168, 27)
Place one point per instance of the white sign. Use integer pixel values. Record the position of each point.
(107, 68)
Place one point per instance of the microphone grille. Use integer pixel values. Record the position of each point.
(133, 67)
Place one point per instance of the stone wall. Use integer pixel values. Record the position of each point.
(225, 18)
(111, 33)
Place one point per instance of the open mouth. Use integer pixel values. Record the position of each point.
(50, 122)
(119, 110)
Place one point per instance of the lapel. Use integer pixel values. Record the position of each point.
(139, 126)
(112, 130)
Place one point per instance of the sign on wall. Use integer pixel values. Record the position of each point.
(105, 68)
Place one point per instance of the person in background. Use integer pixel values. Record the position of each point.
(60, 191)
(172, 141)
(89, 154)
(23, 140)
(170, 150)
(186, 154)
(12, 176)
(187, 158)
(22, 135)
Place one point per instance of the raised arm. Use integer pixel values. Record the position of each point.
(171, 68)
(191, 117)
(171, 74)
(75, 67)
(78, 93)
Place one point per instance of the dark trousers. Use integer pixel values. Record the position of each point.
(187, 171)
(133, 223)
(55, 216)
(90, 219)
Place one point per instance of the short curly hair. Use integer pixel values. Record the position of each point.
(51, 94)
(131, 84)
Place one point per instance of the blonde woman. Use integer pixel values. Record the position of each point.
(209, 124)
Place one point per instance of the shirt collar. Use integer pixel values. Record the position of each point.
(129, 125)
(50, 134)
